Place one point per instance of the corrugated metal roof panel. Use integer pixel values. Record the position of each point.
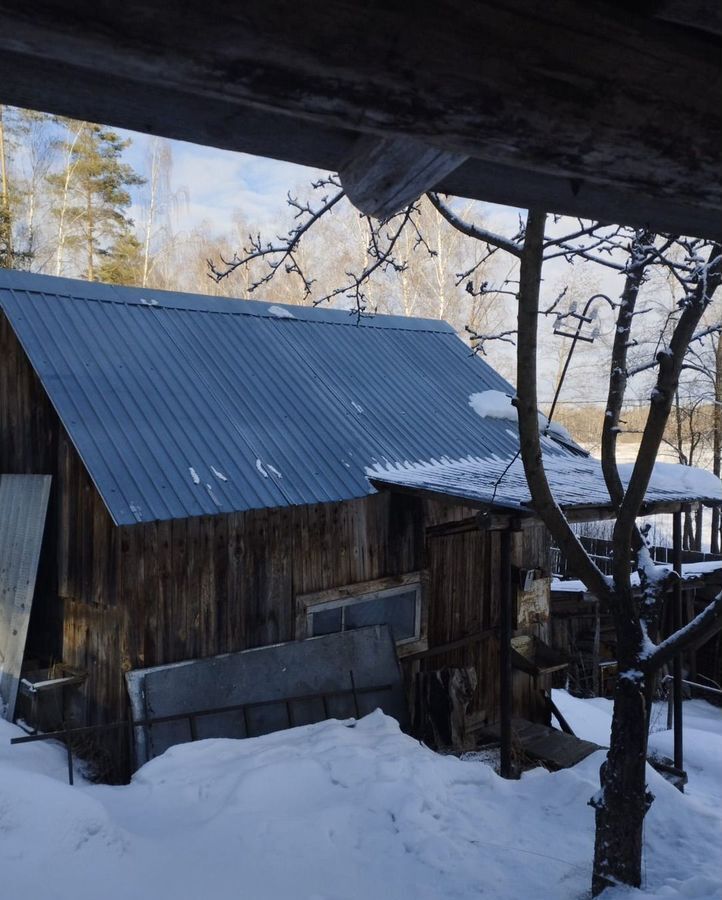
(185, 405)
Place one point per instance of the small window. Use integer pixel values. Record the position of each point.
(357, 606)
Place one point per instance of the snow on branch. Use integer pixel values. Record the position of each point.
(511, 246)
(699, 630)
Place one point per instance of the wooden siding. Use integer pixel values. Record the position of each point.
(117, 598)
(464, 598)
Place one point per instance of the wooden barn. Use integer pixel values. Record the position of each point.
(231, 474)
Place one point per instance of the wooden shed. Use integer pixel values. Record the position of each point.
(229, 474)
(210, 490)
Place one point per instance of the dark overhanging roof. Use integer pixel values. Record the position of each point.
(183, 405)
(600, 109)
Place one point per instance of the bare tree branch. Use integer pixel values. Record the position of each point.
(700, 629)
(474, 231)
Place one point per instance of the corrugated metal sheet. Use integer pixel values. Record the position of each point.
(23, 507)
(184, 405)
(576, 482)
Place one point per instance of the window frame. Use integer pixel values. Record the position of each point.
(353, 594)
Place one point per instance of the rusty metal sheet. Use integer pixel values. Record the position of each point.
(265, 678)
(23, 508)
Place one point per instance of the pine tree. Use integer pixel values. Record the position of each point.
(93, 196)
(123, 262)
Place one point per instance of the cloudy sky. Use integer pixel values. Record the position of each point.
(220, 182)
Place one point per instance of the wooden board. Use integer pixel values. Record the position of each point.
(23, 508)
(549, 746)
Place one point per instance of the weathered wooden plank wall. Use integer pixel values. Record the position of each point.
(531, 550)
(464, 598)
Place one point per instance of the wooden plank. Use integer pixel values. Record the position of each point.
(229, 616)
(505, 660)
(356, 590)
(23, 509)
(214, 560)
(150, 648)
(190, 594)
(177, 604)
(551, 747)
(384, 175)
(164, 589)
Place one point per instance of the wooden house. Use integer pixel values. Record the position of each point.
(230, 474)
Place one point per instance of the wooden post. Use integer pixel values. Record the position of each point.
(505, 673)
(596, 686)
(676, 625)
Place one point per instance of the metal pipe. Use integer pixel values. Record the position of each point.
(694, 684)
(576, 337)
(676, 625)
(505, 670)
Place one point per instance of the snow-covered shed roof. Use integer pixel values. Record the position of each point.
(183, 405)
(576, 482)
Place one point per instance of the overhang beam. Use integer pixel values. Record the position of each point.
(384, 175)
(580, 108)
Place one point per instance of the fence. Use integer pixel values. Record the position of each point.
(600, 551)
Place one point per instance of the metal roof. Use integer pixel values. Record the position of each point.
(576, 482)
(183, 405)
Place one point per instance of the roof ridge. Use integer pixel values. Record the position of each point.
(100, 292)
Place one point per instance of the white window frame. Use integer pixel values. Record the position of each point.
(353, 594)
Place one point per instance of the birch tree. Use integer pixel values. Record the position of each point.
(93, 194)
(6, 223)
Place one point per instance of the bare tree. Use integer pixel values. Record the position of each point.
(623, 799)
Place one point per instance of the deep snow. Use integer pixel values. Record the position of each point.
(328, 811)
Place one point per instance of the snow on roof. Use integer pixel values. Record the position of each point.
(576, 482)
(499, 405)
(690, 571)
(493, 405)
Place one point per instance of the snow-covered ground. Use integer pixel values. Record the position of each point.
(328, 811)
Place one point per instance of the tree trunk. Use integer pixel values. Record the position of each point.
(89, 235)
(6, 225)
(623, 801)
(70, 167)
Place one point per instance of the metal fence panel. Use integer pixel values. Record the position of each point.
(23, 507)
(279, 687)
